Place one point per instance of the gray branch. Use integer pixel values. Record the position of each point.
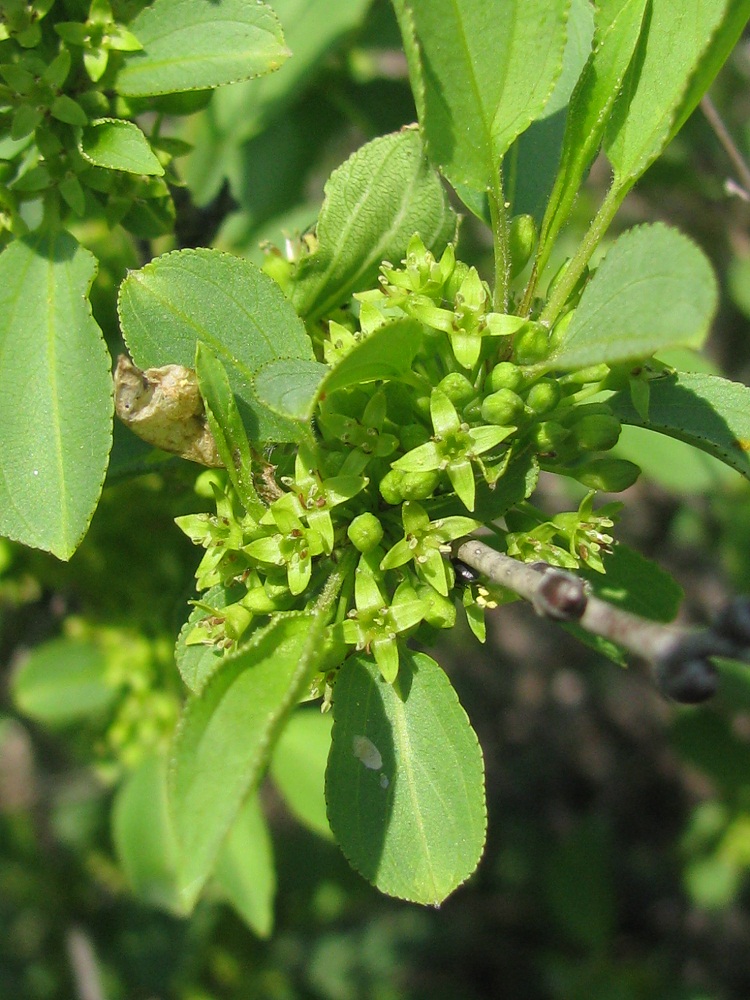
(679, 655)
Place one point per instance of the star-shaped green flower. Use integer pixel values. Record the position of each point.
(453, 448)
(426, 543)
(375, 623)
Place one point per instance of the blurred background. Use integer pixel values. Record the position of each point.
(619, 825)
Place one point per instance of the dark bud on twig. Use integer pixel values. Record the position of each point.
(685, 678)
(560, 595)
(733, 623)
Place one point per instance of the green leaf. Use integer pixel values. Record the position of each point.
(590, 107)
(55, 394)
(290, 386)
(653, 290)
(673, 41)
(294, 387)
(312, 30)
(143, 837)
(63, 681)
(245, 873)
(226, 425)
(192, 45)
(673, 464)
(298, 767)
(119, 145)
(374, 203)
(534, 159)
(227, 733)
(480, 73)
(404, 783)
(227, 303)
(387, 353)
(709, 412)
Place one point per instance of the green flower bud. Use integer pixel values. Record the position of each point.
(505, 375)
(597, 432)
(419, 485)
(594, 373)
(365, 532)
(397, 486)
(457, 388)
(390, 487)
(503, 407)
(549, 435)
(611, 475)
(530, 345)
(522, 241)
(422, 406)
(544, 396)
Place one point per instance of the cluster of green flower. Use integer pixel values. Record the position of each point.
(395, 467)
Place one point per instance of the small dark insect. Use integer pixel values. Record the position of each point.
(464, 574)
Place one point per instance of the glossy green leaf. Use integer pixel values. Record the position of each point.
(227, 733)
(55, 394)
(245, 873)
(143, 837)
(673, 464)
(387, 353)
(63, 681)
(312, 30)
(290, 386)
(404, 785)
(590, 107)
(226, 425)
(533, 161)
(643, 121)
(709, 412)
(227, 303)
(193, 45)
(119, 145)
(374, 203)
(480, 73)
(298, 767)
(653, 290)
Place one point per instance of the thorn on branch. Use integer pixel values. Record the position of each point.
(680, 657)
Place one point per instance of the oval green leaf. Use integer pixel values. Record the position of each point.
(709, 412)
(194, 45)
(480, 73)
(119, 145)
(143, 837)
(55, 394)
(374, 203)
(669, 53)
(653, 290)
(405, 780)
(226, 735)
(63, 681)
(298, 767)
(245, 873)
(231, 306)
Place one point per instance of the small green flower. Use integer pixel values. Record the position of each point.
(586, 531)
(315, 497)
(294, 545)
(374, 623)
(425, 542)
(453, 448)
